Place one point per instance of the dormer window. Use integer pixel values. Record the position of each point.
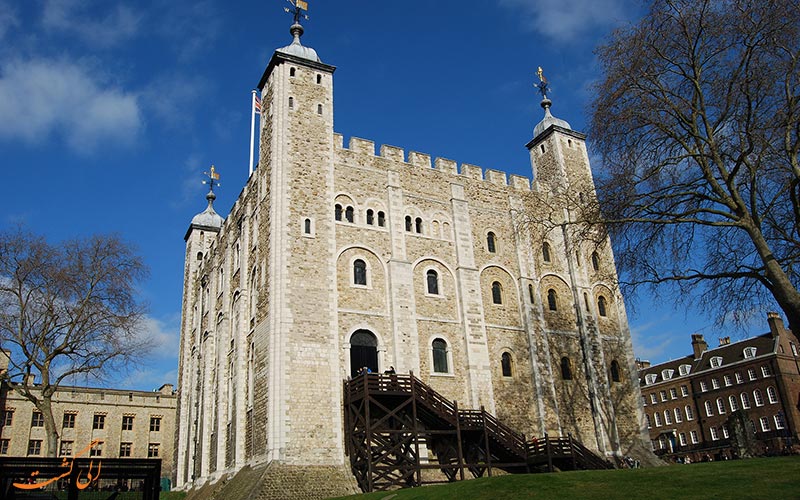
(649, 378)
(716, 361)
(667, 374)
(749, 352)
(684, 369)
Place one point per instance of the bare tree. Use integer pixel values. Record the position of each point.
(697, 118)
(65, 310)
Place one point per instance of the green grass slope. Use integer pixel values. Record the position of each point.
(761, 479)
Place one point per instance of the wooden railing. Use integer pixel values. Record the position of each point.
(566, 451)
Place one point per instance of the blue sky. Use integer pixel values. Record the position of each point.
(111, 110)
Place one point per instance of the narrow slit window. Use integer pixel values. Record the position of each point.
(359, 272)
(432, 278)
(491, 244)
(552, 300)
(497, 293)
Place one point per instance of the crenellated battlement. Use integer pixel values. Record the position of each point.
(366, 148)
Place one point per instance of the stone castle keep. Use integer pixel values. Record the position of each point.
(334, 258)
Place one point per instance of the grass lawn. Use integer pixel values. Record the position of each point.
(758, 478)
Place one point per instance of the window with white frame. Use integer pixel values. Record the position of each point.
(684, 369)
(764, 424)
(728, 380)
(725, 433)
(779, 422)
(673, 393)
(682, 438)
(657, 418)
(709, 409)
(739, 378)
(765, 371)
(684, 391)
(716, 361)
(749, 352)
(733, 402)
(715, 383)
(663, 395)
(703, 386)
(667, 374)
(758, 397)
(653, 398)
(644, 400)
(647, 419)
(678, 415)
(794, 349)
(720, 406)
(714, 434)
(649, 379)
(668, 417)
(772, 395)
(693, 436)
(751, 373)
(745, 401)
(689, 412)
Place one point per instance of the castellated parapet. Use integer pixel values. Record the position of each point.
(365, 151)
(334, 258)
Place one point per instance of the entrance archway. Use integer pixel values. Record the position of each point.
(363, 351)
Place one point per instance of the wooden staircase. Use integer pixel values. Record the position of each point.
(390, 418)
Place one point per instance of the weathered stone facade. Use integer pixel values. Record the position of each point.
(333, 255)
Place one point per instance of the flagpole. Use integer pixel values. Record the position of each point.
(252, 127)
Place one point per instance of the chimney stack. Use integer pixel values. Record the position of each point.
(775, 324)
(699, 345)
(724, 341)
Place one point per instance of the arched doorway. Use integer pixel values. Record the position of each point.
(363, 352)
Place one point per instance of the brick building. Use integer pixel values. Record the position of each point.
(129, 424)
(738, 398)
(336, 257)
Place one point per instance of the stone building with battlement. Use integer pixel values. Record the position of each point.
(335, 258)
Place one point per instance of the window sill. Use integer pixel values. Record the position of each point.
(445, 375)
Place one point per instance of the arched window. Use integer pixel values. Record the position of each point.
(338, 212)
(566, 368)
(432, 279)
(552, 300)
(349, 214)
(439, 347)
(319, 79)
(381, 219)
(530, 293)
(199, 255)
(359, 272)
(709, 409)
(733, 402)
(745, 401)
(497, 292)
(292, 71)
(490, 242)
(370, 217)
(772, 396)
(601, 306)
(505, 363)
(720, 406)
(418, 225)
(546, 251)
(319, 109)
(595, 261)
(408, 223)
(307, 226)
(689, 412)
(615, 371)
(291, 103)
(759, 399)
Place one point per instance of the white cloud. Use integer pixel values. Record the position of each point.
(41, 97)
(570, 21)
(95, 22)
